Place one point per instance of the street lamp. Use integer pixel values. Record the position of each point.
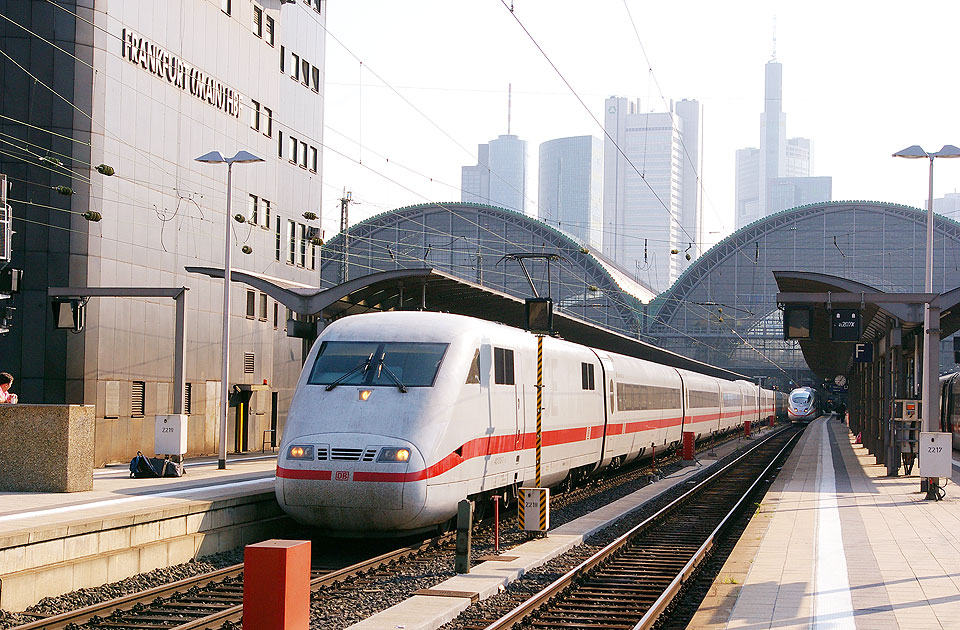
(215, 157)
(931, 337)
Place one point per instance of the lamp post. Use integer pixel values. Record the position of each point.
(215, 157)
(930, 397)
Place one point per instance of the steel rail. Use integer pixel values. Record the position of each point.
(127, 603)
(650, 617)
(519, 614)
(85, 614)
(234, 613)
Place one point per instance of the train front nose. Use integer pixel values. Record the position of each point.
(352, 484)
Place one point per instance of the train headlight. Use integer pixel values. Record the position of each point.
(394, 455)
(365, 393)
(300, 451)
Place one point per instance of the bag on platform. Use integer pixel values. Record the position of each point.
(152, 467)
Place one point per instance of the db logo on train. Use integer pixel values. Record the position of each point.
(343, 475)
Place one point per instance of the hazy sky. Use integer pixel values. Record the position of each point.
(861, 79)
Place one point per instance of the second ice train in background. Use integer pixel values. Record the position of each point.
(397, 416)
(803, 405)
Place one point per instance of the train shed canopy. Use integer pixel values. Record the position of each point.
(827, 358)
(723, 310)
(431, 289)
(478, 243)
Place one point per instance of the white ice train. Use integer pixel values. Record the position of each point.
(398, 416)
(803, 405)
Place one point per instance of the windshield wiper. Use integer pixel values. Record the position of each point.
(393, 377)
(363, 366)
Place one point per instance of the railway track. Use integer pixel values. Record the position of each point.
(213, 599)
(202, 602)
(636, 578)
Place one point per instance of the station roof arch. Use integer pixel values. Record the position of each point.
(469, 241)
(722, 310)
(431, 289)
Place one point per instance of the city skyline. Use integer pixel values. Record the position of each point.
(463, 92)
(778, 175)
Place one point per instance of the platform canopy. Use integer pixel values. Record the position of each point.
(430, 289)
(828, 358)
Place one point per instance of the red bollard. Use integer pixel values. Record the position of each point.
(773, 421)
(746, 428)
(689, 439)
(276, 585)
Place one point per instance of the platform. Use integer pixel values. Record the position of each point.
(837, 544)
(53, 543)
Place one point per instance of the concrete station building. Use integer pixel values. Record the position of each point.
(145, 88)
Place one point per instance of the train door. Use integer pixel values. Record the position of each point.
(606, 380)
(505, 402)
(520, 393)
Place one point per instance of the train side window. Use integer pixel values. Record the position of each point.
(473, 376)
(503, 366)
(586, 376)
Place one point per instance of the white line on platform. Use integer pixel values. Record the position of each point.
(832, 604)
(140, 497)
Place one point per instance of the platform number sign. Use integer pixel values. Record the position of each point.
(863, 353)
(845, 324)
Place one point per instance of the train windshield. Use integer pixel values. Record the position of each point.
(800, 398)
(374, 364)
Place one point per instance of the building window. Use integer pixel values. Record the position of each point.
(316, 79)
(266, 213)
(268, 127)
(293, 149)
(226, 6)
(263, 307)
(279, 144)
(251, 304)
(292, 237)
(276, 315)
(269, 30)
(255, 114)
(188, 398)
(305, 73)
(303, 244)
(249, 362)
(283, 56)
(137, 390)
(257, 21)
(295, 70)
(279, 240)
(252, 217)
(503, 366)
(313, 159)
(303, 154)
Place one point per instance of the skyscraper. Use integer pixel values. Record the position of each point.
(571, 187)
(759, 191)
(500, 175)
(650, 188)
(475, 180)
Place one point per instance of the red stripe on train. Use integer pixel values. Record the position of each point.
(500, 444)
